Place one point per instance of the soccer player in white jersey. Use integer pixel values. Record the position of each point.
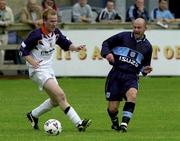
(38, 49)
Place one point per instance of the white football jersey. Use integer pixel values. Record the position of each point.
(42, 47)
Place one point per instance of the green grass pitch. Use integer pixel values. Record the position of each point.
(156, 117)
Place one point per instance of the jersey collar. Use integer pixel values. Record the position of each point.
(138, 40)
(45, 32)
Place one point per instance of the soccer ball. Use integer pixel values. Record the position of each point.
(52, 127)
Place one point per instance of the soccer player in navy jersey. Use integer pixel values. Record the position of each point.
(38, 49)
(129, 53)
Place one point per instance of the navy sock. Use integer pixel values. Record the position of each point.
(114, 117)
(128, 111)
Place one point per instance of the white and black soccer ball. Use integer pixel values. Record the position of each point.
(52, 127)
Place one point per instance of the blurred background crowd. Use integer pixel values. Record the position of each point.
(30, 11)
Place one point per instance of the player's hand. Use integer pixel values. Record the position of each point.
(36, 64)
(78, 48)
(147, 69)
(110, 58)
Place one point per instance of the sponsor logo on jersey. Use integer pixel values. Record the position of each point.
(128, 60)
(47, 52)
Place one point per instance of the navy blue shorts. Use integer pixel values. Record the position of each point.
(118, 83)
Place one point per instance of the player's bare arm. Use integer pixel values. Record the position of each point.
(34, 63)
(76, 48)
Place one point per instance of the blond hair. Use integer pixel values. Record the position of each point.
(48, 12)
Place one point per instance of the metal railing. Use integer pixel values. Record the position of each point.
(11, 66)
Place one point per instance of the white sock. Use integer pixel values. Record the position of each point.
(73, 116)
(43, 108)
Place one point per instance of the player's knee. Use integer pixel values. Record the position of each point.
(131, 98)
(131, 95)
(113, 109)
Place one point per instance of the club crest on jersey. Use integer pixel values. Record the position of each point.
(132, 54)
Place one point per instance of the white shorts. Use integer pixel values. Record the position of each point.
(41, 77)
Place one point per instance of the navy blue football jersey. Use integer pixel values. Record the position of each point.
(130, 55)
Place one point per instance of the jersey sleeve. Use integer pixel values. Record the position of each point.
(147, 60)
(28, 44)
(63, 41)
(110, 43)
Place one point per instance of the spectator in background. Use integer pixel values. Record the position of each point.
(162, 13)
(82, 12)
(137, 11)
(6, 19)
(46, 4)
(31, 14)
(108, 14)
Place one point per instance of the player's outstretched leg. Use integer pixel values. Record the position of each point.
(85, 123)
(74, 117)
(33, 120)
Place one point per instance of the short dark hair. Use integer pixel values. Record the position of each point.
(48, 12)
